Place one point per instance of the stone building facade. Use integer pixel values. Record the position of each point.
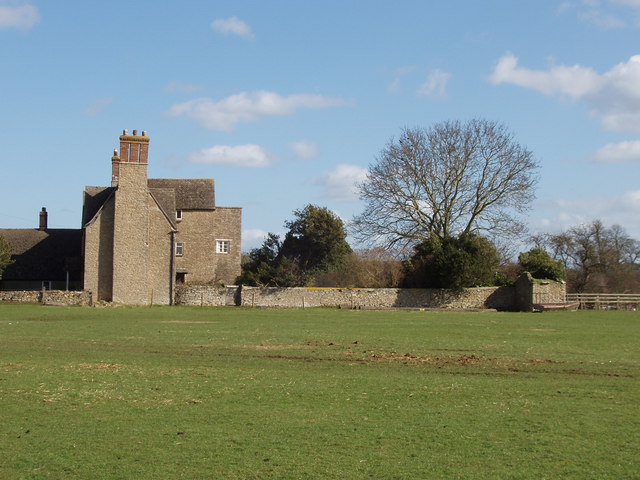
(142, 236)
(139, 237)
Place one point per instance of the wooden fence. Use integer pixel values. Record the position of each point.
(605, 301)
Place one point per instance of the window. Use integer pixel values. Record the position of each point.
(222, 246)
(179, 249)
(178, 215)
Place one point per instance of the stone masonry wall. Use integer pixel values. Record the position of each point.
(521, 297)
(98, 254)
(500, 298)
(131, 236)
(206, 295)
(530, 292)
(228, 227)
(160, 253)
(48, 297)
(198, 231)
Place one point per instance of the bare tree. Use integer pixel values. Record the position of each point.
(597, 258)
(449, 179)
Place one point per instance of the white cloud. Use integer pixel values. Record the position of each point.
(436, 85)
(618, 103)
(232, 26)
(628, 151)
(238, 156)
(21, 16)
(99, 105)
(252, 238)
(304, 149)
(614, 95)
(225, 114)
(575, 81)
(340, 184)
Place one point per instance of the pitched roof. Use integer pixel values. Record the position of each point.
(171, 194)
(94, 198)
(191, 193)
(43, 254)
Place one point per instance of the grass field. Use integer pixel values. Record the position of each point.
(221, 393)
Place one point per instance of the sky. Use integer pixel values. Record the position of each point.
(287, 103)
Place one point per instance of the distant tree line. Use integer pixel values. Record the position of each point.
(597, 258)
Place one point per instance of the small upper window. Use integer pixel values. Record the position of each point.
(178, 215)
(222, 246)
(179, 249)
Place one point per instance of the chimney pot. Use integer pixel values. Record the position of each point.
(125, 132)
(135, 132)
(144, 133)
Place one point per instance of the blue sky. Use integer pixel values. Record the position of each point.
(286, 103)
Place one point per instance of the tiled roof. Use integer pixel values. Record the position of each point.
(171, 194)
(43, 254)
(191, 193)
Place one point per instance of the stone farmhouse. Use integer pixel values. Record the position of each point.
(139, 238)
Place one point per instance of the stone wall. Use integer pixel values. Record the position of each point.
(530, 292)
(522, 297)
(160, 255)
(500, 298)
(47, 297)
(206, 295)
(98, 253)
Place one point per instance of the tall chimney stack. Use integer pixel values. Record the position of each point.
(43, 219)
(133, 149)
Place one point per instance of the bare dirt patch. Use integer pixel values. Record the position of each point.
(101, 366)
(279, 347)
(189, 322)
(409, 358)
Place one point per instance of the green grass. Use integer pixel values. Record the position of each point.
(199, 393)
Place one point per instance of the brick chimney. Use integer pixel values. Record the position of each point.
(133, 149)
(43, 219)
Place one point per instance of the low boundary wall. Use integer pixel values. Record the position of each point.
(522, 297)
(206, 295)
(500, 298)
(47, 297)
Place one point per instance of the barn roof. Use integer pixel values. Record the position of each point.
(43, 254)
